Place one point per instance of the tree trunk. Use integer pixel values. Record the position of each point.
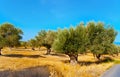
(48, 51)
(33, 48)
(98, 56)
(25, 47)
(94, 55)
(39, 48)
(73, 58)
(117, 53)
(1, 50)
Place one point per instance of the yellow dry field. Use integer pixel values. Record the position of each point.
(58, 64)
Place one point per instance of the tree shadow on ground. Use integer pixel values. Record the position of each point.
(29, 72)
(21, 56)
(105, 60)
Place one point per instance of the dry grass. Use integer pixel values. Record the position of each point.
(58, 63)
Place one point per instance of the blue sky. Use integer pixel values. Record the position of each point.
(33, 15)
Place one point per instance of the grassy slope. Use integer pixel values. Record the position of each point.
(58, 64)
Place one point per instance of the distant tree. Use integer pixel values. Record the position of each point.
(101, 38)
(10, 34)
(46, 38)
(2, 43)
(114, 49)
(118, 50)
(40, 38)
(49, 39)
(71, 42)
(32, 43)
(24, 44)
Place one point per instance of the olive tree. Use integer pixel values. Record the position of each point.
(24, 44)
(101, 38)
(71, 42)
(48, 41)
(40, 38)
(2, 43)
(46, 38)
(32, 43)
(10, 34)
(118, 50)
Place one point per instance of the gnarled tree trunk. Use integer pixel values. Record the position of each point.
(25, 47)
(48, 51)
(73, 58)
(1, 50)
(117, 53)
(33, 48)
(39, 48)
(94, 55)
(98, 56)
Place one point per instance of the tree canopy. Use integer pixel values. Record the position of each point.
(101, 38)
(71, 41)
(96, 37)
(9, 35)
(32, 43)
(46, 38)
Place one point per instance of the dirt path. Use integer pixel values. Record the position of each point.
(112, 72)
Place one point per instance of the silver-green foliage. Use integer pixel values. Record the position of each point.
(10, 35)
(71, 41)
(96, 37)
(101, 38)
